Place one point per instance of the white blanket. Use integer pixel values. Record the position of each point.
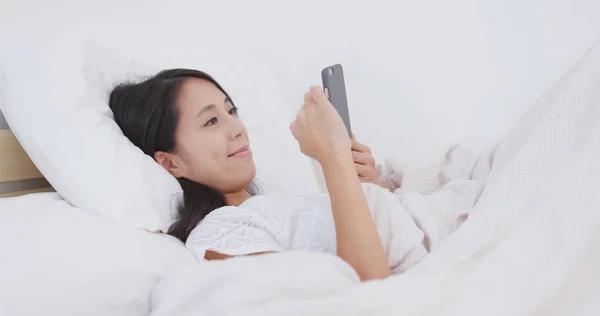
(430, 201)
(529, 246)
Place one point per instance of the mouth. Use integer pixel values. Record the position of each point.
(241, 152)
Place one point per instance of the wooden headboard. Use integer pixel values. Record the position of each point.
(17, 171)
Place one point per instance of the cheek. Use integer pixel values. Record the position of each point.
(205, 155)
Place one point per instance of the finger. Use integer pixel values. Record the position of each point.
(300, 116)
(308, 97)
(363, 159)
(365, 172)
(318, 95)
(315, 89)
(361, 170)
(356, 146)
(294, 128)
(365, 179)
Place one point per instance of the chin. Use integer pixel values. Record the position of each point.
(249, 170)
(240, 176)
(251, 176)
(244, 178)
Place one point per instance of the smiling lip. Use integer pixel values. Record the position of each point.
(242, 152)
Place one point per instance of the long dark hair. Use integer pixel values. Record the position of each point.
(147, 114)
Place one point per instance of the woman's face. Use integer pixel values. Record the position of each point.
(212, 145)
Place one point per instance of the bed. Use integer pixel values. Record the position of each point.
(60, 260)
(18, 174)
(529, 245)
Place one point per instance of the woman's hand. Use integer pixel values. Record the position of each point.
(319, 129)
(322, 135)
(365, 164)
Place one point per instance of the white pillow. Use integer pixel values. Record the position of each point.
(60, 260)
(65, 125)
(262, 109)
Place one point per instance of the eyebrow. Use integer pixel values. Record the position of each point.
(211, 107)
(205, 109)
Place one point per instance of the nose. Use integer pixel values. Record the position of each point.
(236, 128)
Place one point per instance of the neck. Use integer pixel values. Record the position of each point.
(237, 198)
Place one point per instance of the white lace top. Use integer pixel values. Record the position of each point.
(267, 223)
(281, 222)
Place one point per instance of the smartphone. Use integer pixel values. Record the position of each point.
(333, 83)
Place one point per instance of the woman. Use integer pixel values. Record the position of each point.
(187, 122)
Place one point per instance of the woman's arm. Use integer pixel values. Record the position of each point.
(365, 164)
(357, 239)
(213, 255)
(321, 134)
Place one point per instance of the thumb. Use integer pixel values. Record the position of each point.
(318, 95)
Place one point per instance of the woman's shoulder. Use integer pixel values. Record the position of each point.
(274, 201)
(260, 210)
(226, 213)
(232, 230)
(225, 220)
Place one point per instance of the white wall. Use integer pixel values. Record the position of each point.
(429, 72)
(419, 73)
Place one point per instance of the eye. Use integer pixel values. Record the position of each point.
(233, 111)
(211, 122)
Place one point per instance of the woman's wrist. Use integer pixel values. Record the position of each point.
(336, 160)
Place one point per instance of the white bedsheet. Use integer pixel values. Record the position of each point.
(530, 244)
(56, 259)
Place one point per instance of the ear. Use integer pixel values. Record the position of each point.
(171, 163)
